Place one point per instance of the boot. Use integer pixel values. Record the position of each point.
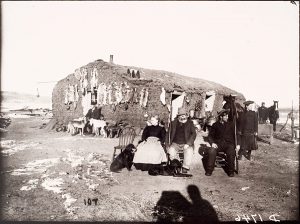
(248, 155)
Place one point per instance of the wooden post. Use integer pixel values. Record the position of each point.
(292, 123)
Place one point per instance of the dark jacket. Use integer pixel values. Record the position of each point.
(263, 113)
(223, 132)
(248, 122)
(95, 114)
(189, 132)
(154, 131)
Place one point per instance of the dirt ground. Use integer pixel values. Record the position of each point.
(52, 176)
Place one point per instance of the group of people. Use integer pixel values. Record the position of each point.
(228, 134)
(268, 115)
(157, 145)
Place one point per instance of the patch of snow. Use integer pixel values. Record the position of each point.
(75, 160)
(53, 184)
(31, 184)
(69, 201)
(14, 148)
(14, 115)
(35, 167)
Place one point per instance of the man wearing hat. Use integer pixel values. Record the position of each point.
(248, 127)
(181, 136)
(262, 113)
(273, 114)
(222, 139)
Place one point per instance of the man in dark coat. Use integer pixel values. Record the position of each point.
(248, 126)
(182, 137)
(273, 114)
(262, 113)
(222, 139)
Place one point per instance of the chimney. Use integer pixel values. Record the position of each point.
(111, 59)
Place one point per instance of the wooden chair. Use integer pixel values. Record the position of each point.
(127, 136)
(221, 162)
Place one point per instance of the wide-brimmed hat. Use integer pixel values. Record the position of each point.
(223, 112)
(182, 111)
(248, 102)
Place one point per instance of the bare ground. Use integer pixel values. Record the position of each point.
(52, 175)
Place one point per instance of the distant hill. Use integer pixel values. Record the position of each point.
(14, 101)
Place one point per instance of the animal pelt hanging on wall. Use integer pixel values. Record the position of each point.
(94, 79)
(84, 80)
(145, 100)
(142, 94)
(163, 96)
(101, 94)
(119, 95)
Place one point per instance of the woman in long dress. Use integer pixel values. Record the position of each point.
(150, 151)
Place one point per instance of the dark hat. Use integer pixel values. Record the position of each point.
(223, 112)
(248, 102)
(181, 111)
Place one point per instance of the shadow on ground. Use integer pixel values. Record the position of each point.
(174, 207)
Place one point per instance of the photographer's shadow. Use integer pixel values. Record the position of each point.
(174, 207)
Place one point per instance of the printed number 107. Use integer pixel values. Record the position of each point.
(89, 201)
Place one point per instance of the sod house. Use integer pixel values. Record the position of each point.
(134, 94)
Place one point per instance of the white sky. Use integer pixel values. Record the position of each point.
(251, 47)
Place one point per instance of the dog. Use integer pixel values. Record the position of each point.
(171, 169)
(99, 124)
(124, 159)
(77, 125)
(71, 128)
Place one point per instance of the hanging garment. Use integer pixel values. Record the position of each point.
(78, 74)
(177, 103)
(135, 96)
(145, 100)
(209, 102)
(94, 79)
(163, 96)
(142, 94)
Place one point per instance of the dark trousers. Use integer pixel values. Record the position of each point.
(274, 126)
(211, 154)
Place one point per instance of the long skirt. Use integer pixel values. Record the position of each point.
(150, 152)
(248, 142)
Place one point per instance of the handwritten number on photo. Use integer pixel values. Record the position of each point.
(89, 201)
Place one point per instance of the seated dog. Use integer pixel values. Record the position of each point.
(124, 159)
